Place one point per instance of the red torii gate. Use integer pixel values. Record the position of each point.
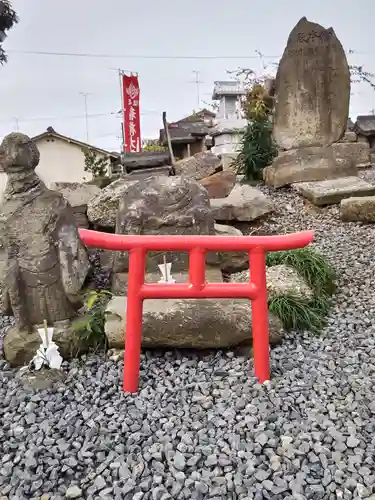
(197, 288)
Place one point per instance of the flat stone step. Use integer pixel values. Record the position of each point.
(358, 209)
(332, 191)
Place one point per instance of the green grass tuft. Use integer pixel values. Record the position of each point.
(318, 273)
(297, 313)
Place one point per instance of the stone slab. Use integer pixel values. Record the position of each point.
(308, 164)
(332, 191)
(358, 209)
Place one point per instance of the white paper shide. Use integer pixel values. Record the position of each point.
(165, 270)
(47, 354)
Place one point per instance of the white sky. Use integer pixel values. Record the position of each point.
(164, 41)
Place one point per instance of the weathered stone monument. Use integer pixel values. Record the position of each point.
(311, 110)
(312, 89)
(46, 263)
(163, 205)
(311, 107)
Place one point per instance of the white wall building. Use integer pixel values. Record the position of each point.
(62, 159)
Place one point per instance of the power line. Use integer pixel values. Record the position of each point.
(145, 56)
(128, 56)
(72, 117)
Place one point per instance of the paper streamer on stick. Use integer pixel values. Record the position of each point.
(165, 270)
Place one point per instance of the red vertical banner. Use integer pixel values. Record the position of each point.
(132, 122)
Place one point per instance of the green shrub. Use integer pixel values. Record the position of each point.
(298, 313)
(256, 149)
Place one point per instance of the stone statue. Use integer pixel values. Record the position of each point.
(46, 262)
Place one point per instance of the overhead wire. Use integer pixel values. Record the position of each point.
(72, 117)
(258, 55)
(129, 56)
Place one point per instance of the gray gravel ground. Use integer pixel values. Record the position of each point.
(201, 427)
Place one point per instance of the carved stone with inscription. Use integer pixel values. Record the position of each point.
(311, 107)
(312, 88)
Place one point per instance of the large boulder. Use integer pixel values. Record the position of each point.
(78, 195)
(164, 206)
(219, 185)
(199, 166)
(102, 208)
(188, 323)
(312, 88)
(244, 204)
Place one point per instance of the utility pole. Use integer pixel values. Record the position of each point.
(197, 83)
(120, 75)
(120, 114)
(85, 95)
(17, 123)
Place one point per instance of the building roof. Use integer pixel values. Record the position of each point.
(188, 129)
(199, 115)
(365, 125)
(50, 132)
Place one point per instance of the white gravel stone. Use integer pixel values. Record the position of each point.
(73, 492)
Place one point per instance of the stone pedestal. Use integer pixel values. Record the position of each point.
(308, 164)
